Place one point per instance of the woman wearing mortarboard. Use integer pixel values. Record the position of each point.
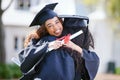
(47, 57)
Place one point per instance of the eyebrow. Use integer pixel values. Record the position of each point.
(50, 23)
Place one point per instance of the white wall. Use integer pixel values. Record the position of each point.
(63, 7)
(103, 36)
(10, 33)
(116, 49)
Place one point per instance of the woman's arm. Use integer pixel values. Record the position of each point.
(32, 54)
(90, 57)
(32, 35)
(91, 63)
(73, 46)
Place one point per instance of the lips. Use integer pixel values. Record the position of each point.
(58, 32)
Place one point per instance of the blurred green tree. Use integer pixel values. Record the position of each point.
(113, 9)
(2, 36)
(91, 4)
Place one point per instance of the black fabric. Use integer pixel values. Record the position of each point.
(74, 23)
(59, 65)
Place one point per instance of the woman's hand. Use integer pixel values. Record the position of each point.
(31, 35)
(73, 46)
(55, 45)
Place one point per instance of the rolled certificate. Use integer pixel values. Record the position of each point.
(76, 34)
(69, 37)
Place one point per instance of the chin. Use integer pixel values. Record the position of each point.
(58, 35)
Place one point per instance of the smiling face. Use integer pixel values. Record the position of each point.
(54, 26)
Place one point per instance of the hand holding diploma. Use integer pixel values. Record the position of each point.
(63, 40)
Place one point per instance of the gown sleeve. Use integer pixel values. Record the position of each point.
(91, 63)
(32, 54)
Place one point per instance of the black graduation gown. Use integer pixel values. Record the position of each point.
(55, 64)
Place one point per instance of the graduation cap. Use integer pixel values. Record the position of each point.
(74, 21)
(44, 14)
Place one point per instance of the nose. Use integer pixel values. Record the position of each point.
(55, 27)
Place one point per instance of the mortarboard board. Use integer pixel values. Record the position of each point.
(74, 21)
(44, 14)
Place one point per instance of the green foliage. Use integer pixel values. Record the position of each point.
(117, 70)
(9, 71)
(4, 71)
(90, 2)
(113, 9)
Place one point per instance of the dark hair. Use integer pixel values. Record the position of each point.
(85, 41)
(42, 31)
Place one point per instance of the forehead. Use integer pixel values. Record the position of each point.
(51, 20)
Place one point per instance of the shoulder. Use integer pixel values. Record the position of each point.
(48, 38)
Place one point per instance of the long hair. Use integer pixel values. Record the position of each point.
(85, 41)
(42, 31)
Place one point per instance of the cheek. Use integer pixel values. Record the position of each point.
(50, 31)
(60, 26)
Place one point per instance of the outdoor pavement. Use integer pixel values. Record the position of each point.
(98, 77)
(107, 77)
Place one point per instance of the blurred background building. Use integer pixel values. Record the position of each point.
(106, 30)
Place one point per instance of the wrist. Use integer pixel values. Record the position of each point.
(79, 49)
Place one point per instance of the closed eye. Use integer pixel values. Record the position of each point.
(57, 21)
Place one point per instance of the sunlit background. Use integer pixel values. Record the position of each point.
(104, 15)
